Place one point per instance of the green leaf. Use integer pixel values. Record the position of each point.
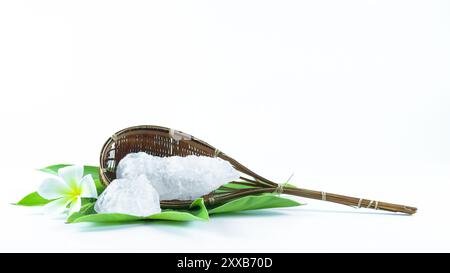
(231, 186)
(86, 209)
(92, 170)
(33, 199)
(197, 211)
(53, 169)
(263, 201)
(99, 186)
(235, 186)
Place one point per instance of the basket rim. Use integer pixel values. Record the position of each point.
(217, 153)
(104, 178)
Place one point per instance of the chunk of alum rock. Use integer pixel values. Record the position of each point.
(175, 177)
(133, 196)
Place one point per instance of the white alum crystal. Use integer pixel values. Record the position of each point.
(182, 178)
(143, 180)
(134, 196)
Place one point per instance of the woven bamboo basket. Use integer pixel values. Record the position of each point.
(164, 142)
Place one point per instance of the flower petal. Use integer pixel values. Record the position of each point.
(57, 206)
(72, 175)
(88, 189)
(53, 187)
(75, 206)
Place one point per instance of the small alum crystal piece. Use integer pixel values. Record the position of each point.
(180, 178)
(134, 196)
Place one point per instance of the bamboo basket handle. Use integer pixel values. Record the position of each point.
(349, 201)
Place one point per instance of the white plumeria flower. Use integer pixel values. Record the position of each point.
(67, 189)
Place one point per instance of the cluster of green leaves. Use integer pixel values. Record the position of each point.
(197, 210)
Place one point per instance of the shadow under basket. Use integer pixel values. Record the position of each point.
(164, 142)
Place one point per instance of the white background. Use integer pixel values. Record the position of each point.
(351, 96)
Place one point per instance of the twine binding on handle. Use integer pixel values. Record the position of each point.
(360, 202)
(280, 188)
(211, 200)
(178, 135)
